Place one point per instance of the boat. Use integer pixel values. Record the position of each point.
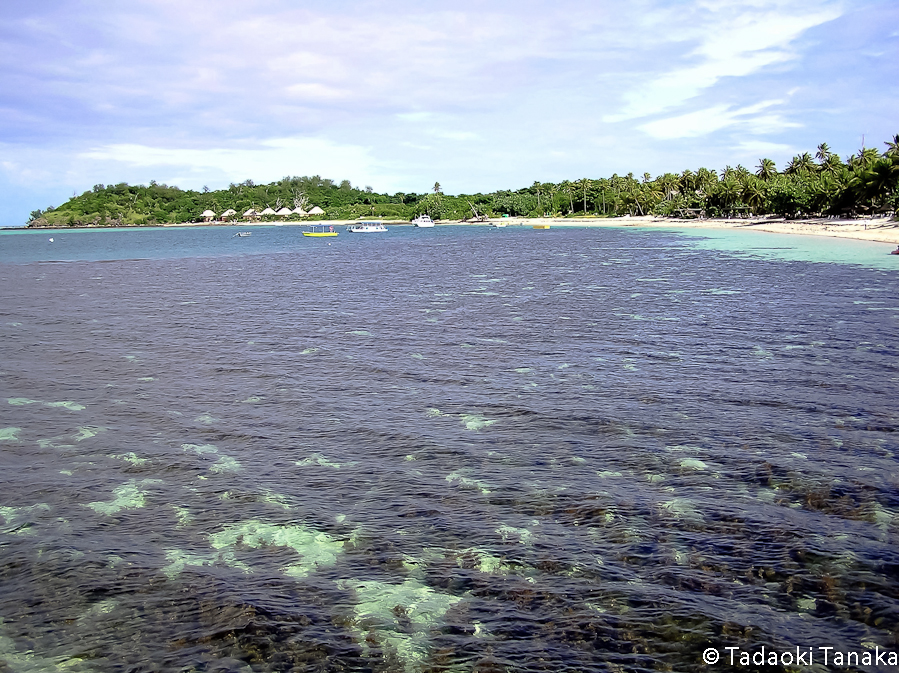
(541, 226)
(892, 252)
(320, 232)
(366, 228)
(423, 221)
(498, 225)
(243, 233)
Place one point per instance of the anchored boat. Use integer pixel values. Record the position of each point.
(319, 232)
(366, 228)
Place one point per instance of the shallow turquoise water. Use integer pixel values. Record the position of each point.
(794, 247)
(440, 450)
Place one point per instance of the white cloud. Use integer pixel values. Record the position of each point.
(315, 91)
(735, 40)
(762, 148)
(266, 161)
(706, 121)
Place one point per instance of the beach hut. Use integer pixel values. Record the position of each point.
(228, 214)
(208, 215)
(251, 214)
(299, 211)
(267, 211)
(284, 212)
(315, 210)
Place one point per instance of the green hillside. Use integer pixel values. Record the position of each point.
(823, 184)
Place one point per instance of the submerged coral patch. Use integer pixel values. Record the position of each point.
(179, 560)
(9, 434)
(131, 495)
(18, 519)
(468, 483)
(26, 661)
(86, 432)
(523, 534)
(399, 617)
(316, 549)
(226, 464)
(23, 401)
(693, 464)
(322, 461)
(473, 422)
(131, 457)
(200, 449)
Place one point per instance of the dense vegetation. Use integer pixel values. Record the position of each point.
(865, 183)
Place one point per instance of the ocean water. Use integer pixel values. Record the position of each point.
(456, 449)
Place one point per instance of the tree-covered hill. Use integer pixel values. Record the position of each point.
(823, 184)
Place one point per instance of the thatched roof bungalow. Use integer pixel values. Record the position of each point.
(267, 211)
(251, 214)
(284, 212)
(315, 210)
(299, 211)
(208, 215)
(228, 214)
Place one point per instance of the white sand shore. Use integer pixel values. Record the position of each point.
(866, 229)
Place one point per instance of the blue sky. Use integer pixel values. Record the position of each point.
(398, 94)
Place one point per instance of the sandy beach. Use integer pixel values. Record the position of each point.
(867, 229)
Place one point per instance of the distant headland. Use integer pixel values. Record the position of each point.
(811, 186)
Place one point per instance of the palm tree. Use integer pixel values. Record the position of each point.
(879, 180)
(766, 169)
(892, 146)
(536, 187)
(754, 194)
(687, 182)
(437, 188)
(801, 163)
(823, 154)
(831, 164)
(864, 158)
(583, 183)
(729, 189)
(705, 181)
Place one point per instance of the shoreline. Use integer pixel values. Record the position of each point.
(877, 229)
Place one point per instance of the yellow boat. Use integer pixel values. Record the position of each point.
(322, 233)
(541, 226)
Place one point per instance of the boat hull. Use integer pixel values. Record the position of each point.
(319, 234)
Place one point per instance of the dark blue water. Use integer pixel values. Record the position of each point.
(458, 449)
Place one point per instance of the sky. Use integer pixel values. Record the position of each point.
(398, 95)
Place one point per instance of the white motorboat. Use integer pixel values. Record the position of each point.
(366, 228)
(423, 221)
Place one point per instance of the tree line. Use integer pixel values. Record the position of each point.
(816, 185)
